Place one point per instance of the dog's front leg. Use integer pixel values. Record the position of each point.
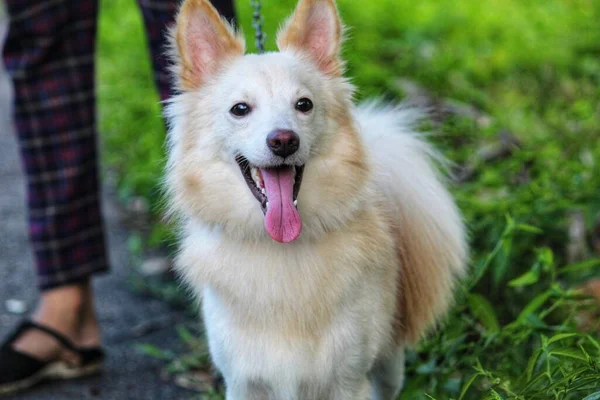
(257, 391)
(246, 390)
(350, 390)
(387, 375)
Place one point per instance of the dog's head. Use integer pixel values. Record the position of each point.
(255, 138)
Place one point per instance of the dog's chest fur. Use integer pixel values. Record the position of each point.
(311, 308)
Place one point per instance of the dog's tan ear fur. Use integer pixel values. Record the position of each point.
(316, 29)
(203, 42)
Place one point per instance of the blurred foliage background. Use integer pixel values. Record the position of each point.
(514, 87)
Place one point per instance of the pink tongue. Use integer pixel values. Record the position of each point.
(282, 221)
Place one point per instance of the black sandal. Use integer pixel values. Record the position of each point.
(19, 371)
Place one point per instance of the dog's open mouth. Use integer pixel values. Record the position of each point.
(276, 189)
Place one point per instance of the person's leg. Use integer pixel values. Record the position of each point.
(158, 17)
(49, 53)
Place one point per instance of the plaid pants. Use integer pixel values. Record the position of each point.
(49, 53)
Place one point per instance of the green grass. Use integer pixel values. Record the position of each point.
(534, 67)
(130, 113)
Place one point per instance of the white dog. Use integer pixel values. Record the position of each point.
(317, 234)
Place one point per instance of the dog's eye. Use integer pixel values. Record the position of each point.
(304, 105)
(240, 109)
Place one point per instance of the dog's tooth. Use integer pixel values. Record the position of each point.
(296, 203)
(267, 205)
(254, 173)
(263, 191)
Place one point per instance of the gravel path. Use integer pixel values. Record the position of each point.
(129, 375)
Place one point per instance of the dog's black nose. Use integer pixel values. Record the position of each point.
(283, 143)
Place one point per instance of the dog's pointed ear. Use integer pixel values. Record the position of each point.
(315, 28)
(203, 42)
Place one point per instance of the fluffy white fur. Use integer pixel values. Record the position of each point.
(328, 315)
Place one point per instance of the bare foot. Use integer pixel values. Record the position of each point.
(68, 310)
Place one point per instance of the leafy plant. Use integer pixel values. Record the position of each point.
(539, 353)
